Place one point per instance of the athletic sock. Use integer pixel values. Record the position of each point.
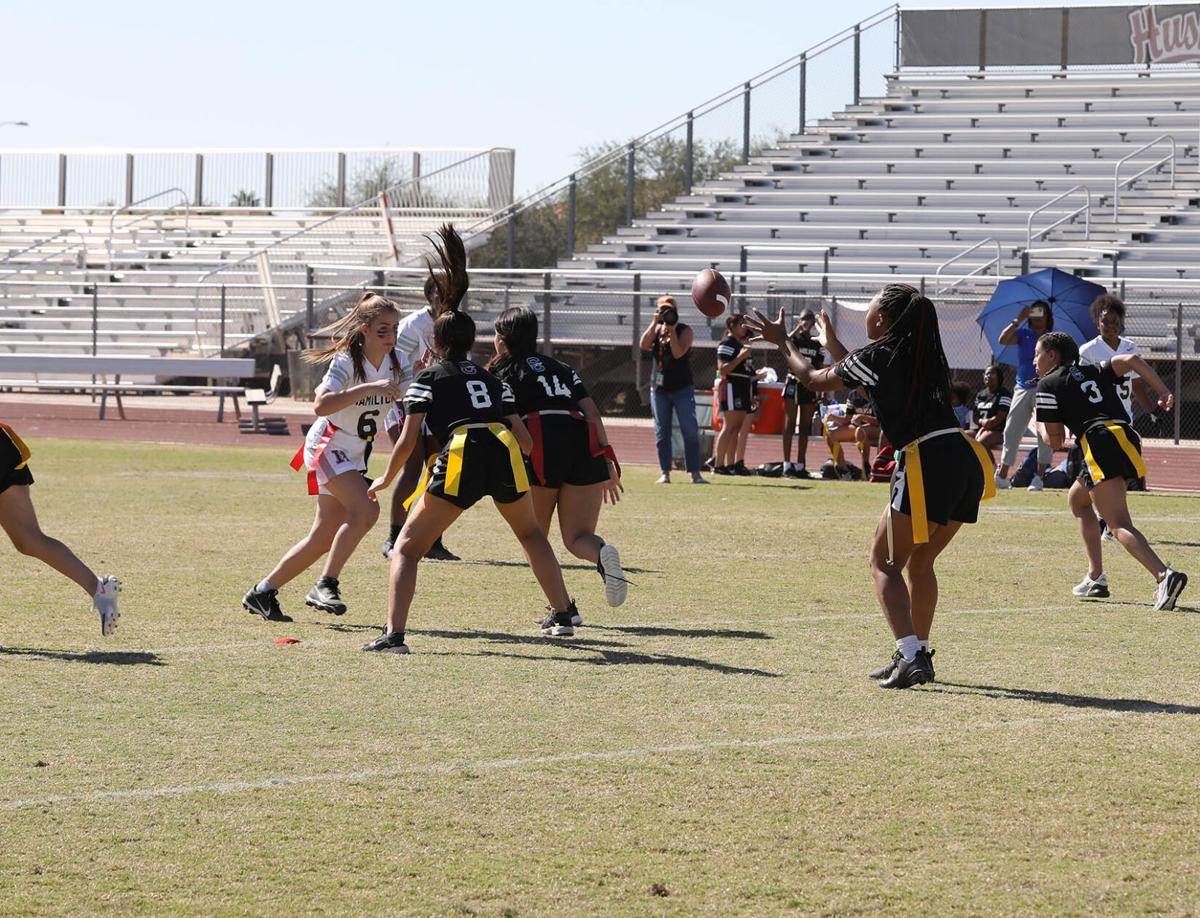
(263, 586)
(394, 534)
(908, 647)
(924, 645)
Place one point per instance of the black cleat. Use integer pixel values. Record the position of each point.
(561, 624)
(325, 597)
(888, 668)
(266, 604)
(439, 552)
(932, 674)
(387, 643)
(739, 468)
(907, 674)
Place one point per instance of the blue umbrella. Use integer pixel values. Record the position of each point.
(1070, 300)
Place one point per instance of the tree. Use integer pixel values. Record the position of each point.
(244, 198)
(375, 176)
(661, 173)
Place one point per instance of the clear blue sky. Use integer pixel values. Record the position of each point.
(546, 78)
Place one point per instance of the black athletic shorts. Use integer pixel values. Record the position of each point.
(11, 456)
(486, 471)
(1112, 449)
(794, 392)
(562, 455)
(952, 478)
(736, 392)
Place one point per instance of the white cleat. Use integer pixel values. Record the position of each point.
(105, 602)
(615, 587)
(1168, 591)
(1036, 484)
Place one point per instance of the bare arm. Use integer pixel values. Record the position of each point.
(801, 367)
(521, 432)
(1141, 392)
(1053, 433)
(400, 453)
(328, 403)
(1009, 335)
(1124, 364)
(648, 336)
(828, 338)
(592, 413)
(681, 343)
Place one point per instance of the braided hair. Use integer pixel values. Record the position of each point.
(1063, 345)
(913, 334)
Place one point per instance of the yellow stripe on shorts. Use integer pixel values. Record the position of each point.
(1118, 431)
(22, 449)
(458, 442)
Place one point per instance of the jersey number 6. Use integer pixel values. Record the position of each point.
(366, 425)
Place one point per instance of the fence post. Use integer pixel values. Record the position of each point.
(95, 320)
(743, 264)
(341, 180)
(746, 123)
(1024, 261)
(637, 333)
(803, 91)
(198, 193)
(547, 341)
(896, 45)
(310, 298)
(1178, 369)
(571, 216)
(630, 178)
(222, 351)
(269, 190)
(689, 154)
(510, 231)
(128, 179)
(857, 63)
(62, 179)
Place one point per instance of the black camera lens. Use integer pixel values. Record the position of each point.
(670, 315)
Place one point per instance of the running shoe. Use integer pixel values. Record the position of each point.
(1169, 589)
(609, 566)
(325, 597)
(1087, 588)
(104, 601)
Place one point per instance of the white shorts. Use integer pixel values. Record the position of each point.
(329, 453)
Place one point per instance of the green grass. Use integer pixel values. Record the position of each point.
(711, 747)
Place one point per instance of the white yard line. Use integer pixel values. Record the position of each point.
(568, 758)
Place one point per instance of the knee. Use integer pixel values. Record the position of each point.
(363, 515)
(408, 550)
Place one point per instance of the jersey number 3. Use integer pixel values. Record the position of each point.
(478, 391)
(1094, 395)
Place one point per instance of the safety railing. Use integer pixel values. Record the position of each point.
(1154, 166)
(146, 214)
(997, 261)
(1085, 209)
(46, 242)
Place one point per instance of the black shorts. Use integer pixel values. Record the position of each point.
(952, 477)
(736, 392)
(1111, 450)
(794, 392)
(486, 471)
(11, 457)
(562, 455)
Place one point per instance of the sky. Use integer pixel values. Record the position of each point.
(546, 78)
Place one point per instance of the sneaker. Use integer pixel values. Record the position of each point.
(1168, 591)
(888, 668)
(739, 468)
(439, 552)
(1002, 483)
(266, 604)
(804, 474)
(697, 478)
(609, 566)
(1035, 484)
(789, 471)
(907, 674)
(561, 624)
(1106, 534)
(1087, 588)
(325, 596)
(387, 643)
(723, 470)
(664, 478)
(104, 601)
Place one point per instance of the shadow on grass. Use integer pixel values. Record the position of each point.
(347, 628)
(1140, 605)
(654, 631)
(1180, 544)
(1130, 705)
(112, 657)
(565, 567)
(599, 653)
(744, 483)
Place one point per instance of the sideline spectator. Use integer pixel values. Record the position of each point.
(960, 401)
(850, 422)
(672, 387)
(991, 408)
(799, 402)
(1031, 323)
(735, 364)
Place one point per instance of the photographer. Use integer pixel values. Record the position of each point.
(671, 387)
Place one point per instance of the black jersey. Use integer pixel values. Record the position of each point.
(451, 393)
(541, 383)
(988, 404)
(1080, 395)
(886, 379)
(808, 347)
(728, 349)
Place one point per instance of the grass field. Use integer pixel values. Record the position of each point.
(711, 747)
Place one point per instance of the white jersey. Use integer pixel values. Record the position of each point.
(1097, 351)
(364, 418)
(415, 333)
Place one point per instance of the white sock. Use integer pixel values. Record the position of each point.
(924, 645)
(263, 586)
(908, 647)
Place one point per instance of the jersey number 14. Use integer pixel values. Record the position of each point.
(559, 388)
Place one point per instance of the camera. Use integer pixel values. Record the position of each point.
(669, 315)
(1037, 312)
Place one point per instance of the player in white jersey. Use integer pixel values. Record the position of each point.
(415, 338)
(1108, 312)
(366, 377)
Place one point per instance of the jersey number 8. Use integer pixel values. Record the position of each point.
(480, 398)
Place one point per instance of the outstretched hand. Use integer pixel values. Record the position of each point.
(379, 484)
(772, 332)
(1167, 402)
(824, 329)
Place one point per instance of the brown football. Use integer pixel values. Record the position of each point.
(710, 293)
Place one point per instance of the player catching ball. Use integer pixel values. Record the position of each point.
(19, 520)
(940, 473)
(365, 378)
(1087, 399)
(474, 415)
(574, 468)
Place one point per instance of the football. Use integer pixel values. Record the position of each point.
(710, 293)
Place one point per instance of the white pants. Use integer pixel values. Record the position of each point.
(1020, 416)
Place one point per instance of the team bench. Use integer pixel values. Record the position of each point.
(223, 372)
